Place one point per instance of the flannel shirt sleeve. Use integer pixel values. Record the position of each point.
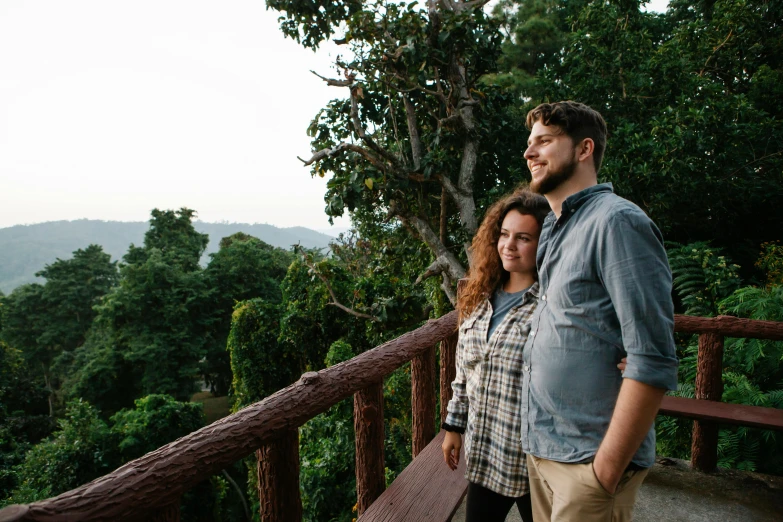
(458, 405)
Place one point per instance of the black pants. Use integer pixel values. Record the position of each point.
(484, 505)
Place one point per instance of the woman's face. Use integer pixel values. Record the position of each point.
(518, 242)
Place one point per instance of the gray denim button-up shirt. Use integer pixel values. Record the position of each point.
(605, 294)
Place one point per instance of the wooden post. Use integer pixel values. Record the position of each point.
(423, 399)
(448, 370)
(709, 386)
(368, 426)
(278, 479)
(169, 513)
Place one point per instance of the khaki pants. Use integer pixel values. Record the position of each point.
(572, 493)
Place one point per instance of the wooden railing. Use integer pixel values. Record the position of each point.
(709, 384)
(150, 488)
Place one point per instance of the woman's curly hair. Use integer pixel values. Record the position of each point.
(486, 271)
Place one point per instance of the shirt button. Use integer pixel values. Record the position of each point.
(532, 333)
(543, 297)
(527, 368)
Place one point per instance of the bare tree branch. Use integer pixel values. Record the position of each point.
(448, 261)
(413, 132)
(366, 154)
(714, 52)
(357, 124)
(335, 83)
(440, 267)
(461, 6)
(451, 122)
(335, 302)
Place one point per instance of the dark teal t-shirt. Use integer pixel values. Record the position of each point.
(502, 302)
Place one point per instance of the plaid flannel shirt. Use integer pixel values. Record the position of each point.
(486, 397)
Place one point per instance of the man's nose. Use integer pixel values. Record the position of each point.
(529, 152)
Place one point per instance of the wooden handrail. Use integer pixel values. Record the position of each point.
(159, 478)
(728, 326)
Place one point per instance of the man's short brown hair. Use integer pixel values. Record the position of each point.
(576, 120)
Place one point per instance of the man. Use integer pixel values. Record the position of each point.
(605, 294)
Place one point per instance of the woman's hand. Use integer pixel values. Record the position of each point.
(451, 446)
(622, 364)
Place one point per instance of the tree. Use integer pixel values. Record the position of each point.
(244, 268)
(151, 329)
(417, 135)
(25, 319)
(694, 138)
(44, 320)
(79, 451)
(155, 421)
(24, 418)
(73, 287)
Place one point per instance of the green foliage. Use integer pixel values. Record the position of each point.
(244, 268)
(327, 456)
(398, 421)
(79, 451)
(73, 287)
(86, 447)
(694, 137)
(155, 421)
(707, 284)
(701, 277)
(771, 262)
(23, 415)
(260, 363)
(153, 326)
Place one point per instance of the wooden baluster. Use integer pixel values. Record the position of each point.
(169, 513)
(423, 399)
(368, 426)
(709, 386)
(278, 479)
(448, 370)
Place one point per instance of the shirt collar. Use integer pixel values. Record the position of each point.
(533, 290)
(574, 201)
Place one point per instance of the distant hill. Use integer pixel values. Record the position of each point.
(26, 249)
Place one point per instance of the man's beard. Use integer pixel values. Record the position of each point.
(553, 179)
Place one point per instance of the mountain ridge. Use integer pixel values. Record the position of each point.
(26, 249)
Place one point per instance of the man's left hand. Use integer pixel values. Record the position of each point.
(606, 477)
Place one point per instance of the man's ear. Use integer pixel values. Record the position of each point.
(585, 149)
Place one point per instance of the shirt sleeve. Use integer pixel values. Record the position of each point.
(458, 405)
(636, 274)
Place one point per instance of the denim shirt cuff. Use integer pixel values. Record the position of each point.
(657, 371)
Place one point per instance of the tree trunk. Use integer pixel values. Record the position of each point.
(709, 386)
(423, 399)
(368, 426)
(278, 479)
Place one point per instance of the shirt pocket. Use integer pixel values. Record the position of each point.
(472, 352)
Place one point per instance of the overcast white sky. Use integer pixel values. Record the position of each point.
(109, 109)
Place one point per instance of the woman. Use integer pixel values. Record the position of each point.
(495, 309)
